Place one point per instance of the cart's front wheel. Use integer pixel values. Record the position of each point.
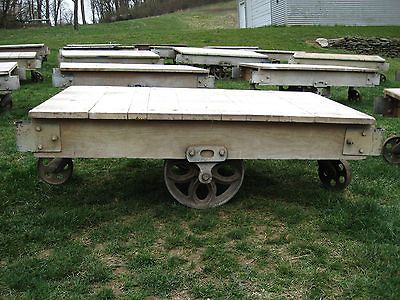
(334, 174)
(353, 95)
(391, 150)
(55, 171)
(182, 180)
(36, 76)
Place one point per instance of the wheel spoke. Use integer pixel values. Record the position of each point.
(187, 171)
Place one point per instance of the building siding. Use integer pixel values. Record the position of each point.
(322, 12)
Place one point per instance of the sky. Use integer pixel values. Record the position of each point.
(88, 14)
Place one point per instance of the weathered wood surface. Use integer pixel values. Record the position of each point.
(26, 61)
(147, 75)
(21, 46)
(108, 56)
(17, 55)
(113, 67)
(309, 75)
(6, 68)
(197, 104)
(41, 50)
(218, 52)
(233, 47)
(351, 60)
(277, 55)
(393, 93)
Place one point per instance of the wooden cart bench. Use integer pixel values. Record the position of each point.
(251, 48)
(27, 61)
(42, 51)
(349, 60)
(9, 81)
(131, 75)
(315, 78)
(203, 134)
(219, 61)
(109, 56)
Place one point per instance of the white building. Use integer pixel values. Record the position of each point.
(257, 13)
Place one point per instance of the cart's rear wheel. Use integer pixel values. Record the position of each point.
(334, 174)
(55, 171)
(36, 76)
(181, 179)
(5, 102)
(391, 150)
(354, 95)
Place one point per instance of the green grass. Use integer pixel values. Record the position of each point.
(114, 231)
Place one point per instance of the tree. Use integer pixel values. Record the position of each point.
(83, 11)
(75, 14)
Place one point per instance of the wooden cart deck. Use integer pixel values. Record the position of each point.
(216, 57)
(320, 77)
(95, 74)
(202, 133)
(277, 55)
(41, 50)
(109, 56)
(27, 61)
(350, 60)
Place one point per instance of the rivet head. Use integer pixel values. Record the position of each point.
(364, 133)
(361, 150)
(205, 177)
(191, 153)
(38, 128)
(54, 138)
(40, 147)
(222, 152)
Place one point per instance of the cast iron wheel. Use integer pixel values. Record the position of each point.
(181, 179)
(391, 150)
(353, 95)
(383, 78)
(55, 171)
(36, 76)
(6, 102)
(334, 174)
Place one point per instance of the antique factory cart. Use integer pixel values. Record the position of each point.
(219, 61)
(27, 61)
(203, 134)
(9, 81)
(315, 78)
(389, 106)
(131, 75)
(42, 51)
(350, 60)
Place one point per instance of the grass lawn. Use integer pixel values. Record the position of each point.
(114, 231)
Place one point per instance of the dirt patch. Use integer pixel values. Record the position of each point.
(46, 253)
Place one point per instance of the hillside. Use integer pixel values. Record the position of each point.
(113, 232)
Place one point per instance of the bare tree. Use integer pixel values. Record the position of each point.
(83, 11)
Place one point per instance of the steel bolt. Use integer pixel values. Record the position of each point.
(361, 150)
(364, 133)
(38, 128)
(349, 142)
(191, 153)
(54, 138)
(40, 147)
(222, 152)
(205, 177)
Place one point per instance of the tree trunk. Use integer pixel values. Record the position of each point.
(83, 11)
(75, 14)
(48, 11)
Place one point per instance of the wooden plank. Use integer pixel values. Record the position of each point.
(114, 67)
(22, 46)
(107, 54)
(139, 104)
(17, 55)
(334, 56)
(219, 52)
(75, 104)
(294, 67)
(7, 67)
(233, 105)
(393, 93)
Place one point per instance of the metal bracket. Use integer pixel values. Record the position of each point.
(206, 82)
(320, 84)
(363, 141)
(61, 80)
(206, 157)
